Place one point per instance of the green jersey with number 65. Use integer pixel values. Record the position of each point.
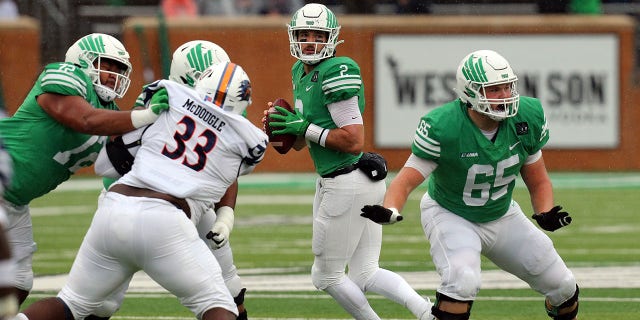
(46, 153)
(332, 80)
(475, 177)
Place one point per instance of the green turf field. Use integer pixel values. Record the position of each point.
(273, 228)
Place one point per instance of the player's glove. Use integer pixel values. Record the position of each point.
(147, 92)
(288, 122)
(221, 229)
(553, 219)
(381, 215)
(159, 102)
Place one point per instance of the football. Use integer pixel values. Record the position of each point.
(281, 142)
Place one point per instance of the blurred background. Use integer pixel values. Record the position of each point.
(64, 21)
(579, 57)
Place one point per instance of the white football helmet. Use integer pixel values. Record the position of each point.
(87, 53)
(314, 16)
(481, 69)
(227, 86)
(191, 58)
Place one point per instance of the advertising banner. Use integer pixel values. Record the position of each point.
(574, 76)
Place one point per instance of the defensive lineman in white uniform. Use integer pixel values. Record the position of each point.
(188, 62)
(151, 233)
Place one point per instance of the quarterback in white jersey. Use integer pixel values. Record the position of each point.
(184, 165)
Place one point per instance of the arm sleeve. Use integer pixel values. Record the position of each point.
(533, 158)
(345, 112)
(424, 166)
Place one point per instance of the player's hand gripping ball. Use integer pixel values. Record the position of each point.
(281, 142)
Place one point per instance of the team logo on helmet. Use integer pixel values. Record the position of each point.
(482, 69)
(244, 91)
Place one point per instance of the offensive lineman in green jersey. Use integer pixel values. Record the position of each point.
(60, 127)
(329, 101)
(473, 149)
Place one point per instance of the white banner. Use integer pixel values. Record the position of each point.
(576, 77)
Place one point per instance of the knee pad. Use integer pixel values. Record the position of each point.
(444, 315)
(324, 279)
(23, 276)
(553, 311)
(563, 289)
(463, 283)
(468, 283)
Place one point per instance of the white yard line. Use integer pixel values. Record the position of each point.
(587, 277)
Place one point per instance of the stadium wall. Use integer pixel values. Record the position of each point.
(260, 45)
(19, 60)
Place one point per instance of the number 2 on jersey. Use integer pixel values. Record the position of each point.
(200, 149)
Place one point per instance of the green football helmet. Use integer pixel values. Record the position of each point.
(87, 53)
(192, 58)
(481, 69)
(318, 17)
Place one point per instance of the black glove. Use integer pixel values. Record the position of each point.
(553, 219)
(381, 215)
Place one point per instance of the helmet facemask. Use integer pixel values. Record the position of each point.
(313, 17)
(192, 58)
(106, 93)
(496, 109)
(88, 53)
(480, 70)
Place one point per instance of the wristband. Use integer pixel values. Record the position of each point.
(141, 118)
(316, 134)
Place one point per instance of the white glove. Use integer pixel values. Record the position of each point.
(221, 229)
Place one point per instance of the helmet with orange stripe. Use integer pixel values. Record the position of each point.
(227, 86)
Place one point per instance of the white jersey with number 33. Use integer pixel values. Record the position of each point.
(212, 146)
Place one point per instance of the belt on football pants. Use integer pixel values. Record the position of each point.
(341, 171)
(130, 191)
